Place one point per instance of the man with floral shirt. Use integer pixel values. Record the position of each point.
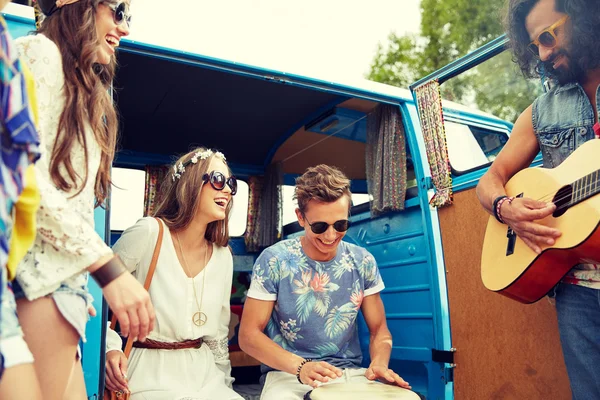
(307, 292)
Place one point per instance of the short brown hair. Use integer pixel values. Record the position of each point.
(179, 199)
(322, 183)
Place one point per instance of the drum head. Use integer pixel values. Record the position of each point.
(361, 391)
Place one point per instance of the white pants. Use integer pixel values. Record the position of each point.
(283, 386)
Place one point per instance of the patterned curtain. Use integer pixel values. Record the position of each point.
(429, 102)
(251, 237)
(386, 159)
(155, 174)
(264, 209)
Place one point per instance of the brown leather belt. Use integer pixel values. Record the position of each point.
(155, 344)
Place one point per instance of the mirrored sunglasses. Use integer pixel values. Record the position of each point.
(218, 181)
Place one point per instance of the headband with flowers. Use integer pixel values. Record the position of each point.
(45, 8)
(179, 168)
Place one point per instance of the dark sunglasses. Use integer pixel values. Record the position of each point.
(321, 227)
(547, 37)
(120, 12)
(218, 181)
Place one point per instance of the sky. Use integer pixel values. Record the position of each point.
(327, 39)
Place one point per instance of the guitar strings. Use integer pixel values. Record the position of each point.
(549, 196)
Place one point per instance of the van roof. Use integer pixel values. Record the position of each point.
(172, 100)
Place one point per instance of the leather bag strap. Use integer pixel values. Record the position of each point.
(151, 270)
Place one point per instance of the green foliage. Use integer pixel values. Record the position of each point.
(451, 29)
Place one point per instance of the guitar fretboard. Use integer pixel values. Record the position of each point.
(586, 187)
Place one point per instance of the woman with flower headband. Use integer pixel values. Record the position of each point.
(186, 355)
(72, 58)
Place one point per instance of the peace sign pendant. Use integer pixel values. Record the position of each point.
(199, 318)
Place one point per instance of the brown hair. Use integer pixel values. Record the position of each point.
(179, 199)
(322, 183)
(87, 99)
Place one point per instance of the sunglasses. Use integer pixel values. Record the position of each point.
(218, 181)
(120, 12)
(321, 227)
(547, 37)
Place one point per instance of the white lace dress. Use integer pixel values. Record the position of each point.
(66, 242)
(203, 373)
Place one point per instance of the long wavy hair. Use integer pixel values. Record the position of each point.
(87, 97)
(179, 199)
(584, 45)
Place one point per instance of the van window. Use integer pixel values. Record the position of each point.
(127, 201)
(239, 213)
(471, 147)
(126, 197)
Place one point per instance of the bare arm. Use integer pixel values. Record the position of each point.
(380, 346)
(254, 342)
(517, 154)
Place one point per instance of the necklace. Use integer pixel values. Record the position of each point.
(198, 318)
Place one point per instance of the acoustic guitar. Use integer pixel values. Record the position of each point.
(509, 266)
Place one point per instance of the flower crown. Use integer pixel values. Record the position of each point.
(179, 169)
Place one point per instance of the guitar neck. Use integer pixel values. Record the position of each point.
(585, 187)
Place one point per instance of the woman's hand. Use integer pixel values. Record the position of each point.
(318, 371)
(131, 304)
(116, 371)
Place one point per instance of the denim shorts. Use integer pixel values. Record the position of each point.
(13, 347)
(72, 299)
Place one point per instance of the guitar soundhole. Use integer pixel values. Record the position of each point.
(562, 199)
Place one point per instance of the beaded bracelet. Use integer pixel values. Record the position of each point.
(306, 360)
(498, 208)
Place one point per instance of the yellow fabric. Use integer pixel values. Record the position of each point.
(24, 228)
(25, 210)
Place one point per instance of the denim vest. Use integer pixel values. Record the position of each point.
(563, 120)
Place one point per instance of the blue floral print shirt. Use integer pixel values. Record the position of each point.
(316, 303)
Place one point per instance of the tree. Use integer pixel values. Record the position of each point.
(449, 30)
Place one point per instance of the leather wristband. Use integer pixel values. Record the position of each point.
(495, 208)
(306, 360)
(109, 271)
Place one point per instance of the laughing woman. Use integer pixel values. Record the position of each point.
(186, 355)
(72, 59)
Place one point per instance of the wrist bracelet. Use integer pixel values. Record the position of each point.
(495, 208)
(306, 360)
(109, 271)
(499, 207)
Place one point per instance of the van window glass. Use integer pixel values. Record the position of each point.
(239, 213)
(126, 197)
(470, 147)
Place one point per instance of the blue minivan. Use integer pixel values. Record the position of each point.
(452, 337)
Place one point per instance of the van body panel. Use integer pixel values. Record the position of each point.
(495, 336)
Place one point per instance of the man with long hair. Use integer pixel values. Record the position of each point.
(555, 39)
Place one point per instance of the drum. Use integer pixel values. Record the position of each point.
(360, 391)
